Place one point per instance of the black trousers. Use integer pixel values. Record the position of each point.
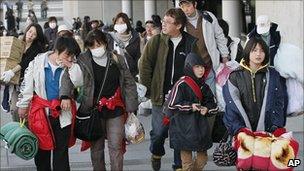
(60, 153)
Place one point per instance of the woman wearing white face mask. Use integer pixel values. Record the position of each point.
(51, 32)
(119, 90)
(126, 41)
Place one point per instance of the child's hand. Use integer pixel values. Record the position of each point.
(195, 107)
(203, 110)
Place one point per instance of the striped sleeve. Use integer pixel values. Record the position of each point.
(177, 100)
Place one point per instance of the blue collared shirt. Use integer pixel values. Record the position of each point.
(52, 81)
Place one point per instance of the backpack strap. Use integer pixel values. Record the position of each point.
(195, 88)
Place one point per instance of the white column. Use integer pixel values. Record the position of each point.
(127, 7)
(176, 3)
(4, 11)
(232, 14)
(149, 9)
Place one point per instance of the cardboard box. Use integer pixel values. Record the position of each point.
(11, 48)
(11, 54)
(9, 40)
(7, 64)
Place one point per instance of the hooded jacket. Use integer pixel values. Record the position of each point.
(84, 63)
(255, 100)
(190, 130)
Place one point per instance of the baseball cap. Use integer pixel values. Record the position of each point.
(263, 24)
(187, 1)
(63, 28)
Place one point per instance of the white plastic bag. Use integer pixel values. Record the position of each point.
(289, 62)
(141, 91)
(134, 130)
(145, 108)
(295, 97)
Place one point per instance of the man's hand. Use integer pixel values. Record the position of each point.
(22, 112)
(65, 104)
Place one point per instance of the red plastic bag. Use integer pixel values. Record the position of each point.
(223, 75)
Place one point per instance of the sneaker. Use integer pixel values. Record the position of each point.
(156, 162)
(177, 168)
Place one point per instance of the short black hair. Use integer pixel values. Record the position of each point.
(52, 18)
(150, 22)
(138, 23)
(157, 20)
(224, 25)
(250, 45)
(68, 44)
(95, 35)
(187, 1)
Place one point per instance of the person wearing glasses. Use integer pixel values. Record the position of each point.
(160, 66)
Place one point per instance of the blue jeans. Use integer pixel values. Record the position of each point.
(158, 135)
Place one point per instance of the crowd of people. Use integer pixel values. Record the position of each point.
(176, 58)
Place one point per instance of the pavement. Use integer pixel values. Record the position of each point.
(137, 156)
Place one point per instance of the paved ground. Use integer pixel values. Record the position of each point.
(136, 158)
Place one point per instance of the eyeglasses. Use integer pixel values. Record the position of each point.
(167, 22)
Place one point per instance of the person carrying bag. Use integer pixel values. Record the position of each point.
(88, 126)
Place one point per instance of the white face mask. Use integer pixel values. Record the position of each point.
(98, 52)
(120, 28)
(52, 25)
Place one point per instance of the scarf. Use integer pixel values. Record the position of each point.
(125, 38)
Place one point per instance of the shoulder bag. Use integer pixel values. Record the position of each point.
(88, 125)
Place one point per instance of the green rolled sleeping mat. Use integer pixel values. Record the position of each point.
(20, 140)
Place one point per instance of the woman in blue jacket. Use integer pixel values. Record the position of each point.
(255, 93)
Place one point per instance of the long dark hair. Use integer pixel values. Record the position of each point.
(250, 45)
(125, 18)
(40, 39)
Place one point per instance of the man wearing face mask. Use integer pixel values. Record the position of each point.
(268, 32)
(40, 88)
(51, 32)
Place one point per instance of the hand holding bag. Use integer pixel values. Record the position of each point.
(88, 125)
(224, 154)
(134, 130)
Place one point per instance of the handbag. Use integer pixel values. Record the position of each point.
(88, 125)
(224, 154)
